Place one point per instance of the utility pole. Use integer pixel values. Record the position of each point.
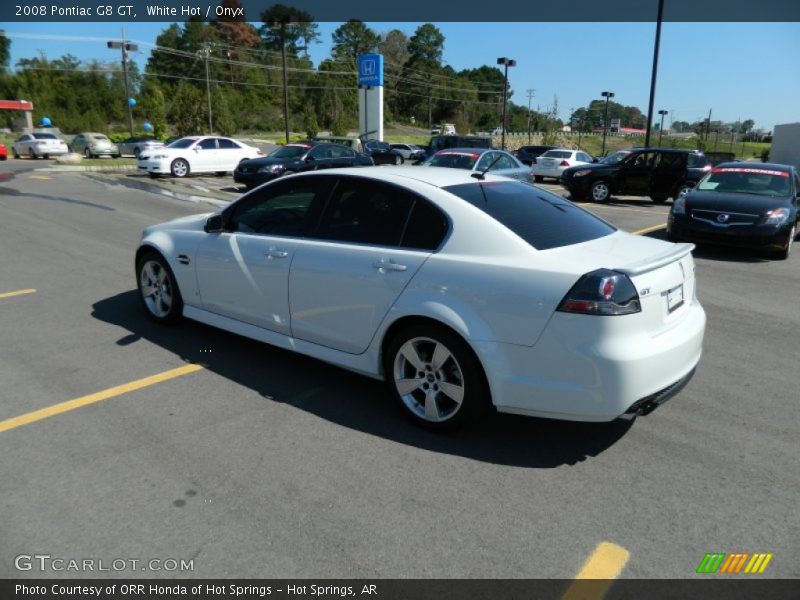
(430, 108)
(531, 93)
(661, 127)
(281, 25)
(207, 52)
(125, 47)
(708, 124)
(607, 95)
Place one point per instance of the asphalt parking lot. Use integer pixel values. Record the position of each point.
(190, 443)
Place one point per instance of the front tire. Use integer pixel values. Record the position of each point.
(659, 199)
(179, 168)
(787, 251)
(600, 192)
(219, 173)
(88, 153)
(32, 154)
(398, 160)
(538, 178)
(435, 377)
(158, 291)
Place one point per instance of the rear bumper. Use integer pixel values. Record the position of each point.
(580, 371)
(152, 166)
(554, 172)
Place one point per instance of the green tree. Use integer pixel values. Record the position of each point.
(224, 122)
(187, 112)
(353, 39)
(283, 24)
(5, 51)
(427, 44)
(153, 106)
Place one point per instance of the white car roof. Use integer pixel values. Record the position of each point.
(435, 176)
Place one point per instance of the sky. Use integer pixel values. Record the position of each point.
(738, 70)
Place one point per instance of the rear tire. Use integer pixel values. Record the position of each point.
(435, 377)
(158, 290)
(398, 160)
(538, 178)
(15, 153)
(683, 189)
(659, 199)
(32, 154)
(220, 173)
(88, 153)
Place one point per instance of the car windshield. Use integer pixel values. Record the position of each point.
(453, 160)
(542, 219)
(100, 137)
(746, 180)
(44, 136)
(182, 143)
(557, 154)
(292, 151)
(613, 159)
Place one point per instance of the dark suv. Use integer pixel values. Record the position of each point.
(527, 154)
(660, 173)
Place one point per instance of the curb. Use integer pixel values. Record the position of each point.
(92, 169)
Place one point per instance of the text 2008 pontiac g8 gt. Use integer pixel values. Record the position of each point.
(461, 291)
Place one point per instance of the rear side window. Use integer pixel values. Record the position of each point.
(226, 144)
(697, 160)
(366, 212)
(542, 219)
(426, 227)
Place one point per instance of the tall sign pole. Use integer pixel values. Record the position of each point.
(370, 103)
(125, 47)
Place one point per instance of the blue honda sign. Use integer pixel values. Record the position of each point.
(370, 70)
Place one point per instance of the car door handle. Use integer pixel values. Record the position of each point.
(276, 254)
(382, 265)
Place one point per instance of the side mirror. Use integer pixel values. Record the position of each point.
(595, 160)
(310, 158)
(214, 224)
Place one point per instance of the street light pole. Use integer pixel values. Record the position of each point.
(661, 127)
(506, 62)
(607, 96)
(654, 74)
(206, 53)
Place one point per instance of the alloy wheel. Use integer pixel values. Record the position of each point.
(429, 379)
(156, 287)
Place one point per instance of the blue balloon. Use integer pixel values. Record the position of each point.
(148, 127)
(132, 101)
(46, 122)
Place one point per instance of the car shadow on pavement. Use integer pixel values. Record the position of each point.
(357, 402)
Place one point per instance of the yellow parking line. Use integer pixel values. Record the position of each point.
(600, 569)
(16, 293)
(649, 229)
(39, 177)
(57, 409)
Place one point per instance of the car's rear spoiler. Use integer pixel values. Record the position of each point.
(651, 263)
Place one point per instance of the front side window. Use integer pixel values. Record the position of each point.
(283, 208)
(341, 152)
(542, 219)
(366, 212)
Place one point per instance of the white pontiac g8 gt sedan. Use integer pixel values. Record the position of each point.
(461, 292)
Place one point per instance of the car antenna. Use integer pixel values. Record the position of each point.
(482, 174)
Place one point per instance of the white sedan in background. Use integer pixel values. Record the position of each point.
(462, 293)
(39, 145)
(553, 162)
(206, 154)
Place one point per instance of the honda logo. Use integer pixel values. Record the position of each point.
(368, 68)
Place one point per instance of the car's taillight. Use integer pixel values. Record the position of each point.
(602, 292)
(563, 163)
(41, 143)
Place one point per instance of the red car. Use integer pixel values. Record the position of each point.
(3, 152)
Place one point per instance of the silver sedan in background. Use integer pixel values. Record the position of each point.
(481, 160)
(134, 145)
(94, 144)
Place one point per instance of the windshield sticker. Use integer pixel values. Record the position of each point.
(749, 170)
